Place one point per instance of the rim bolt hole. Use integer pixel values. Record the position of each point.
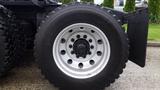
(70, 30)
(81, 27)
(99, 53)
(72, 40)
(63, 52)
(69, 61)
(92, 62)
(90, 40)
(85, 36)
(63, 40)
(78, 36)
(80, 65)
(92, 31)
(70, 46)
(99, 41)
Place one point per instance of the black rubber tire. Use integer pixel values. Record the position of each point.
(81, 13)
(10, 47)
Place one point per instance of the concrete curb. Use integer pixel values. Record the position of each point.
(153, 44)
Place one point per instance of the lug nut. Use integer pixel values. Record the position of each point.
(90, 40)
(89, 52)
(63, 52)
(78, 36)
(85, 36)
(99, 53)
(70, 46)
(72, 52)
(63, 40)
(80, 65)
(77, 56)
(99, 41)
(91, 62)
(72, 40)
(69, 61)
(92, 47)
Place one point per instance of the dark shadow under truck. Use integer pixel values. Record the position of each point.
(78, 46)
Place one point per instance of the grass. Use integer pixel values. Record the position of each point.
(154, 32)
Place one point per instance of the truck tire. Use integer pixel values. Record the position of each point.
(10, 47)
(81, 47)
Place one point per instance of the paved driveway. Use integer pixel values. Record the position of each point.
(28, 77)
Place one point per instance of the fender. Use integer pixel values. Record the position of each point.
(137, 33)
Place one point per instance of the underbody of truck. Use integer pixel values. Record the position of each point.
(77, 45)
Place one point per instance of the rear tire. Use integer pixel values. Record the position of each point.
(10, 43)
(51, 53)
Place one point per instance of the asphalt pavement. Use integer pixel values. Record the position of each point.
(28, 76)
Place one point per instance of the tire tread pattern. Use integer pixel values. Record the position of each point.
(10, 38)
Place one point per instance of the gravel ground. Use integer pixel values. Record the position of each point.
(28, 77)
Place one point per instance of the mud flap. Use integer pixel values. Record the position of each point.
(137, 33)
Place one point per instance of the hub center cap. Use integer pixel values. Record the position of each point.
(81, 48)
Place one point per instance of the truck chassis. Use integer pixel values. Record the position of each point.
(77, 45)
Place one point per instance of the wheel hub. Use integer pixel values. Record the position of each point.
(81, 48)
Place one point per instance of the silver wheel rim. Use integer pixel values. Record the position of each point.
(69, 62)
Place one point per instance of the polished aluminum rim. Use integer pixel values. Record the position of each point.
(81, 67)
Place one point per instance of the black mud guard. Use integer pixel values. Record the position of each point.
(137, 33)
